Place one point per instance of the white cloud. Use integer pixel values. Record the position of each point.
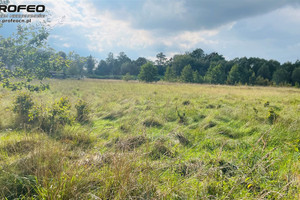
(104, 32)
(174, 26)
(66, 45)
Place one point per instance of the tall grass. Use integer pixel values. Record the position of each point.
(156, 141)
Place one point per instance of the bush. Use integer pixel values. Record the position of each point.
(58, 116)
(83, 111)
(272, 116)
(50, 119)
(261, 81)
(128, 77)
(22, 106)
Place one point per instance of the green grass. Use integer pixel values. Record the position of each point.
(156, 141)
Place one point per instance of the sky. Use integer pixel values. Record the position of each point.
(268, 29)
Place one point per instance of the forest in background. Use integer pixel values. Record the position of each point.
(191, 67)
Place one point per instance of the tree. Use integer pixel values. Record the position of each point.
(216, 74)
(25, 56)
(90, 64)
(161, 59)
(169, 75)
(238, 74)
(281, 76)
(102, 68)
(148, 73)
(234, 75)
(112, 64)
(197, 78)
(214, 57)
(296, 75)
(273, 66)
(76, 64)
(140, 61)
(64, 67)
(129, 67)
(122, 58)
(197, 53)
(264, 71)
(255, 63)
(161, 63)
(187, 74)
(252, 78)
(180, 61)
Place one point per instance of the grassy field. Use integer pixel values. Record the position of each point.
(156, 141)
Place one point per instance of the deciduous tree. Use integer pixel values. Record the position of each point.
(148, 73)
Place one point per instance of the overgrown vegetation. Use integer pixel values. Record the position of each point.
(149, 141)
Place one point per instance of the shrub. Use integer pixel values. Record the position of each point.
(272, 116)
(266, 104)
(127, 77)
(83, 111)
(52, 119)
(47, 119)
(261, 81)
(22, 106)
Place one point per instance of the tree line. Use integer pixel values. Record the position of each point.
(190, 67)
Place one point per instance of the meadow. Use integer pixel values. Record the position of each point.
(156, 141)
